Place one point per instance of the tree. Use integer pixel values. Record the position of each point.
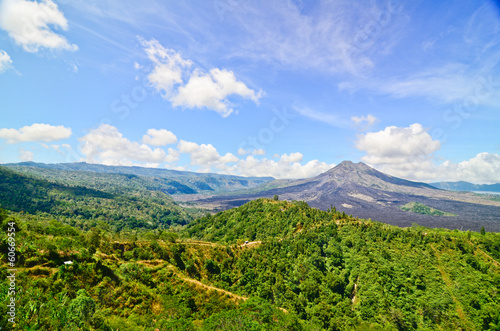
(276, 197)
(212, 267)
(81, 309)
(483, 231)
(3, 215)
(94, 239)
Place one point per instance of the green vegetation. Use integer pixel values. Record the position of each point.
(121, 180)
(261, 219)
(121, 282)
(304, 269)
(344, 273)
(85, 207)
(420, 208)
(492, 197)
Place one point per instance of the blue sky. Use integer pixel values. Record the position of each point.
(284, 88)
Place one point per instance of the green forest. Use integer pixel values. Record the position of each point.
(139, 261)
(116, 208)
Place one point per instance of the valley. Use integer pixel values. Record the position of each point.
(140, 260)
(367, 193)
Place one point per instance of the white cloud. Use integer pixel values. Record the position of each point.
(160, 137)
(172, 156)
(202, 90)
(107, 145)
(205, 156)
(211, 91)
(260, 151)
(25, 156)
(292, 158)
(35, 132)
(402, 152)
(395, 145)
(410, 153)
(5, 61)
(310, 169)
(484, 168)
(364, 122)
(287, 166)
(169, 66)
(189, 147)
(27, 22)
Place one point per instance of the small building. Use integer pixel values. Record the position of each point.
(68, 262)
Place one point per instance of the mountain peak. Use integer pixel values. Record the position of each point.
(349, 165)
(348, 170)
(345, 163)
(364, 175)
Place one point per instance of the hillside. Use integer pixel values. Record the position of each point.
(355, 189)
(85, 207)
(164, 180)
(309, 270)
(362, 191)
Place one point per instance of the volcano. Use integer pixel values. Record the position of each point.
(365, 192)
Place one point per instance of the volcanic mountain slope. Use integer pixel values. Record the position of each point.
(365, 192)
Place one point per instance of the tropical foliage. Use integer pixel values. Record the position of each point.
(141, 262)
(85, 207)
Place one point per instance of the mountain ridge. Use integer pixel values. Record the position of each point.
(165, 180)
(354, 188)
(365, 192)
(95, 167)
(467, 186)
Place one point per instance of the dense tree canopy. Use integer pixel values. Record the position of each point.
(302, 268)
(340, 272)
(86, 207)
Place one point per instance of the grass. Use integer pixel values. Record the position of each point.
(420, 208)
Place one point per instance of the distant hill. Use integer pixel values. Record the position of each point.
(354, 188)
(164, 180)
(468, 187)
(362, 191)
(87, 207)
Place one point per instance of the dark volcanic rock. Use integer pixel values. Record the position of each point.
(365, 192)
